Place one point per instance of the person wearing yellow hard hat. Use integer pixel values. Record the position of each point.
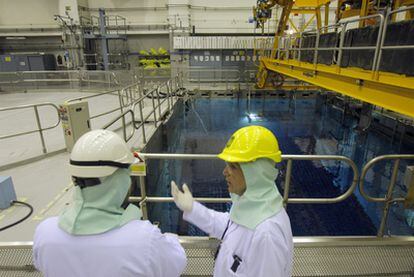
(256, 236)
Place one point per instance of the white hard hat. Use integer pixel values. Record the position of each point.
(99, 153)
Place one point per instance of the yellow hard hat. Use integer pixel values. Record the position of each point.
(251, 143)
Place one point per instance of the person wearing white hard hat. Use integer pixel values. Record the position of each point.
(256, 236)
(95, 236)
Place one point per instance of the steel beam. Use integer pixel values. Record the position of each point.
(363, 12)
(391, 91)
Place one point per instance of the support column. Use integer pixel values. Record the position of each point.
(104, 40)
(326, 23)
(69, 11)
(179, 18)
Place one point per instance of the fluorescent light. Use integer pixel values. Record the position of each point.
(15, 38)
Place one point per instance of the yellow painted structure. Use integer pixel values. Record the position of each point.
(310, 3)
(401, 3)
(391, 91)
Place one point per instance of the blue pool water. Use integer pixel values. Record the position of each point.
(203, 126)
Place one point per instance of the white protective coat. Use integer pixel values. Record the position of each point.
(265, 251)
(135, 249)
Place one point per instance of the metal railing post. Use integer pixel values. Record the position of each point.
(388, 199)
(39, 126)
(384, 32)
(378, 44)
(227, 82)
(341, 45)
(300, 45)
(169, 85)
(154, 108)
(278, 47)
(159, 102)
(199, 80)
(120, 92)
(287, 183)
(315, 57)
(143, 203)
(142, 122)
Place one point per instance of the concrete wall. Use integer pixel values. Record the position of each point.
(136, 12)
(217, 16)
(16, 13)
(148, 20)
(211, 17)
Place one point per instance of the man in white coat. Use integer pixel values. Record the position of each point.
(256, 237)
(95, 236)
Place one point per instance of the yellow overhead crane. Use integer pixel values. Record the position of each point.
(262, 13)
(389, 90)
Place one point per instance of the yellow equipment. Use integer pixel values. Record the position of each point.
(262, 13)
(162, 51)
(144, 53)
(153, 51)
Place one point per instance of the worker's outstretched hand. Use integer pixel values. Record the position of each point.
(184, 200)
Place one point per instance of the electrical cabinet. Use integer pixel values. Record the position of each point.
(75, 121)
(7, 193)
(11, 63)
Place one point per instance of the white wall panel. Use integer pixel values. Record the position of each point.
(215, 42)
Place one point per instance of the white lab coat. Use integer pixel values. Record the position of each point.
(135, 249)
(265, 251)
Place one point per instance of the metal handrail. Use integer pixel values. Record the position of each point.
(223, 79)
(127, 97)
(15, 74)
(139, 102)
(316, 32)
(78, 76)
(289, 158)
(384, 32)
(126, 138)
(131, 93)
(201, 70)
(39, 129)
(388, 198)
(118, 92)
(378, 47)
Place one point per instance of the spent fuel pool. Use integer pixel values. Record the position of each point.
(302, 127)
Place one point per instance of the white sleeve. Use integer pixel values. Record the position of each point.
(212, 222)
(169, 256)
(268, 257)
(36, 259)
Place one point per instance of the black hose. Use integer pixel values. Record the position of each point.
(164, 95)
(20, 220)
